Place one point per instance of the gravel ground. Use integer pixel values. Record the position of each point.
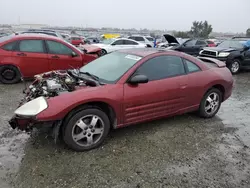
(183, 151)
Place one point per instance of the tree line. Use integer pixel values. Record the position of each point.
(199, 29)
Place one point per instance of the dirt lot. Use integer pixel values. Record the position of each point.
(183, 151)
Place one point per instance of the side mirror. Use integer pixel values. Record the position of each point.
(246, 48)
(138, 79)
(113, 44)
(73, 54)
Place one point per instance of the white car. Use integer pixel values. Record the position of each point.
(148, 40)
(111, 45)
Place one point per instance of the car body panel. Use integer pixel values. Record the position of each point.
(25, 63)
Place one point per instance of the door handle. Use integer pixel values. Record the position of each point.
(183, 86)
(21, 54)
(55, 57)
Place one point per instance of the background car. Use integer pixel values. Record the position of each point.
(148, 40)
(191, 46)
(27, 55)
(77, 40)
(91, 40)
(232, 52)
(211, 43)
(46, 32)
(66, 36)
(131, 86)
(111, 45)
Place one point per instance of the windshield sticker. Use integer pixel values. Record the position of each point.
(134, 57)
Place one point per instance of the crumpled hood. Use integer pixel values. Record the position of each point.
(170, 38)
(219, 49)
(90, 48)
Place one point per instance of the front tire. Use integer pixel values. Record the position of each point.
(235, 66)
(103, 52)
(9, 74)
(210, 103)
(86, 129)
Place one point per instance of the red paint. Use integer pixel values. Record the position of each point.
(35, 63)
(149, 101)
(211, 43)
(77, 41)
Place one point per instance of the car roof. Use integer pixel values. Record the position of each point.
(123, 39)
(143, 52)
(29, 35)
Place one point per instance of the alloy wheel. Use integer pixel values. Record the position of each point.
(212, 103)
(235, 67)
(88, 130)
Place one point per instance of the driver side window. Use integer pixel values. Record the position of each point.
(190, 43)
(58, 48)
(162, 67)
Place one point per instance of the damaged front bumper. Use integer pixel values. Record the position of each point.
(22, 123)
(27, 124)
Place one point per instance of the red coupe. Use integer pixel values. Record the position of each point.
(124, 88)
(26, 55)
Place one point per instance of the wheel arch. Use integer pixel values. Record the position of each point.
(220, 87)
(104, 106)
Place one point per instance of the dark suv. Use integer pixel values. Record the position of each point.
(233, 52)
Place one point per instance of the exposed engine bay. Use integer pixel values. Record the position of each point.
(54, 83)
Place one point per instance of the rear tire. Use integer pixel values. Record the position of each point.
(9, 74)
(86, 129)
(210, 103)
(234, 66)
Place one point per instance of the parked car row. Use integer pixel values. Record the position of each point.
(115, 83)
(233, 52)
(122, 88)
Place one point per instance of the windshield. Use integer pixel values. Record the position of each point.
(150, 39)
(111, 67)
(231, 44)
(107, 41)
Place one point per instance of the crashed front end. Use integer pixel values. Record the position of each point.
(25, 117)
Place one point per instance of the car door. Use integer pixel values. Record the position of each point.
(60, 56)
(31, 57)
(247, 57)
(163, 95)
(198, 47)
(117, 45)
(188, 47)
(131, 44)
(195, 89)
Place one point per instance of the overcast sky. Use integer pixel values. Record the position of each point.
(224, 15)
